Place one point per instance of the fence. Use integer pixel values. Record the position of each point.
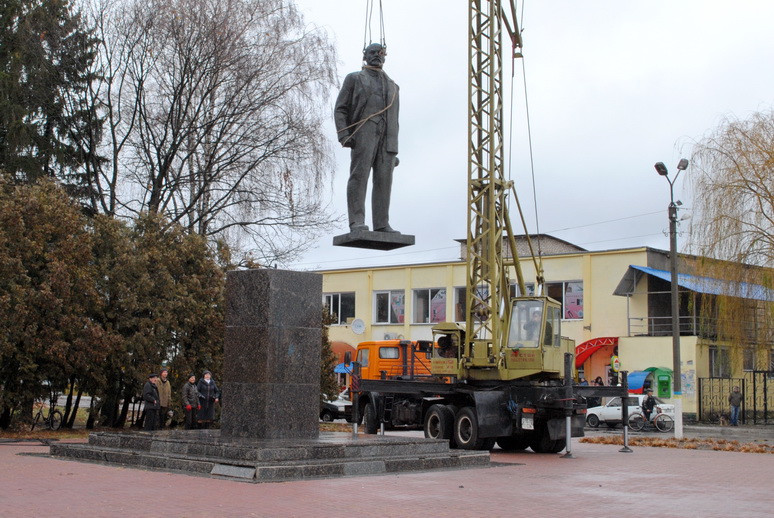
(757, 404)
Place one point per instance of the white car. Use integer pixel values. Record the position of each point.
(610, 414)
(339, 408)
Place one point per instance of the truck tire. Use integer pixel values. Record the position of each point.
(439, 423)
(542, 443)
(513, 443)
(466, 429)
(370, 423)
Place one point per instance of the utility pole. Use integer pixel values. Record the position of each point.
(677, 388)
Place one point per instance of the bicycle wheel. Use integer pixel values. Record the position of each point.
(55, 420)
(636, 422)
(663, 423)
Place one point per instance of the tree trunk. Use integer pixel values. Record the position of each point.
(5, 418)
(70, 422)
(68, 404)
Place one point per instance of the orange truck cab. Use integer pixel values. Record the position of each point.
(395, 359)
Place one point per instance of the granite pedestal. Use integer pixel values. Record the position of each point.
(271, 367)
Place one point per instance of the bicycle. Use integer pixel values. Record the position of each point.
(54, 419)
(662, 421)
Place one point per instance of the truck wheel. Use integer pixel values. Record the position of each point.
(439, 423)
(513, 443)
(542, 443)
(466, 429)
(369, 419)
(592, 420)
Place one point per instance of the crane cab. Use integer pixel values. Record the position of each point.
(532, 345)
(534, 338)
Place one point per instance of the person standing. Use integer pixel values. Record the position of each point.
(190, 402)
(150, 396)
(209, 394)
(366, 117)
(735, 400)
(165, 396)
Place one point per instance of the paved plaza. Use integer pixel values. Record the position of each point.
(597, 482)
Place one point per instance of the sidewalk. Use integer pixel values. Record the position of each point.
(678, 482)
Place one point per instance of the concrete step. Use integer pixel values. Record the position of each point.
(208, 444)
(275, 470)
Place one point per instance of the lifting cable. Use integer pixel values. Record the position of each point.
(539, 262)
(367, 36)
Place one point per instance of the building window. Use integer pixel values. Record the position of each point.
(341, 307)
(514, 291)
(570, 294)
(460, 313)
(719, 364)
(459, 304)
(429, 306)
(390, 307)
(748, 360)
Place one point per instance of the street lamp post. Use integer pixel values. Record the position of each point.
(676, 370)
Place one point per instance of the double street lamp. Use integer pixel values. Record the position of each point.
(682, 165)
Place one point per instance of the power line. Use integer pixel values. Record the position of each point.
(606, 221)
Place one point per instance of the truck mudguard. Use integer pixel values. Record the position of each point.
(494, 419)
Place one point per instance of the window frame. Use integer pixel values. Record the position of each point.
(399, 319)
(427, 313)
(337, 311)
(562, 300)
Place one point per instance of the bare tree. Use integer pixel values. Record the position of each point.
(732, 171)
(733, 180)
(213, 113)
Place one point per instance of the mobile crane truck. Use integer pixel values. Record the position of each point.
(506, 376)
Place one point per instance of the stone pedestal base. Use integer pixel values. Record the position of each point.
(271, 371)
(374, 240)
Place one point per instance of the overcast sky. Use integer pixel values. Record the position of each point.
(613, 87)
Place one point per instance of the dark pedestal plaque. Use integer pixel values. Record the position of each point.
(374, 240)
(271, 371)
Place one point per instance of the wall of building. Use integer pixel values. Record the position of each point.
(603, 313)
(640, 352)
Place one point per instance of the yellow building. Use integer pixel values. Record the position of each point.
(614, 303)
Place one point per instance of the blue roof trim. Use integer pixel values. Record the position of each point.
(710, 286)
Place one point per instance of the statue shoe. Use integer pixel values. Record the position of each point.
(358, 228)
(388, 229)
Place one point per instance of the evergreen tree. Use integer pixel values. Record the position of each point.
(46, 119)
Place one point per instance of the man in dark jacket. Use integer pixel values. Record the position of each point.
(648, 404)
(190, 402)
(209, 394)
(150, 396)
(366, 117)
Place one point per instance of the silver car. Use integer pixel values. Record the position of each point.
(610, 413)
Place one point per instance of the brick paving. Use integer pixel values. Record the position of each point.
(600, 481)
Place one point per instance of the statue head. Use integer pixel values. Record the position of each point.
(374, 55)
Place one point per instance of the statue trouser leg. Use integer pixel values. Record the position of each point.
(363, 153)
(384, 163)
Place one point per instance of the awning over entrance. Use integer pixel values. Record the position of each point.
(636, 381)
(589, 347)
(708, 285)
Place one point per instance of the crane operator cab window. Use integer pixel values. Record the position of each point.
(533, 322)
(448, 346)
